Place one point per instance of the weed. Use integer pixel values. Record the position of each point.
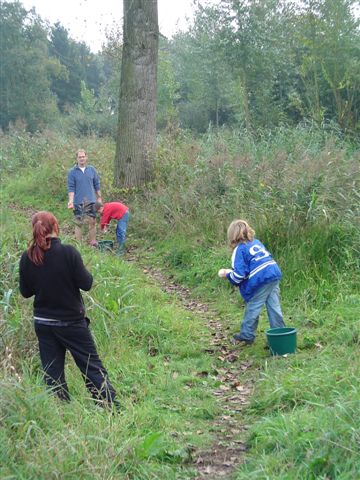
(299, 189)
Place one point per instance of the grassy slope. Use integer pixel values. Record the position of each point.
(150, 346)
(304, 410)
(151, 349)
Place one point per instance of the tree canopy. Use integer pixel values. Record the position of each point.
(252, 64)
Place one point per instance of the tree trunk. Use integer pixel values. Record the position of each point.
(136, 139)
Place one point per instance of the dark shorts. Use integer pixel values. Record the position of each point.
(81, 211)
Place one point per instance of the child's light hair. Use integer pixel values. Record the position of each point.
(239, 231)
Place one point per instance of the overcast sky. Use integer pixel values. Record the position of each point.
(87, 20)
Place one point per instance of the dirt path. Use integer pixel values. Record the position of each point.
(235, 388)
(233, 393)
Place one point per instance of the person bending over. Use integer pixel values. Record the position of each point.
(257, 275)
(117, 211)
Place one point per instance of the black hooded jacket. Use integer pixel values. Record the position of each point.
(56, 283)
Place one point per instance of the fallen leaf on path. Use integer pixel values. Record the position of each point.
(232, 357)
(224, 387)
(202, 374)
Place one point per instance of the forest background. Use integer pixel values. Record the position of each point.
(258, 117)
(253, 64)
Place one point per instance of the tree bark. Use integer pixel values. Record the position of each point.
(136, 138)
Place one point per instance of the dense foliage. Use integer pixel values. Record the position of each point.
(270, 62)
(46, 77)
(253, 64)
(299, 188)
(271, 90)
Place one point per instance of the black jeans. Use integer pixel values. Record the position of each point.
(53, 343)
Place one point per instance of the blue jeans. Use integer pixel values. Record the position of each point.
(268, 295)
(121, 228)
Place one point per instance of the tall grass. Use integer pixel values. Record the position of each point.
(299, 189)
(152, 350)
(286, 184)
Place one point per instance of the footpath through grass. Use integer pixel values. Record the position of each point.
(152, 349)
(303, 416)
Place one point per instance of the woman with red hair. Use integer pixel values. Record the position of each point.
(55, 273)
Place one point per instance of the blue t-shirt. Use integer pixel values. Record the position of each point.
(83, 184)
(253, 267)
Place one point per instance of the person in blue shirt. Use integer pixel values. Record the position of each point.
(257, 275)
(83, 184)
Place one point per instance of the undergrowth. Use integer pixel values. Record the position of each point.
(299, 189)
(152, 350)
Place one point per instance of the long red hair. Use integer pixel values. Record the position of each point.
(44, 224)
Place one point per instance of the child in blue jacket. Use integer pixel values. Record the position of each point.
(257, 275)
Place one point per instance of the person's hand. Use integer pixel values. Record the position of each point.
(70, 204)
(105, 230)
(223, 272)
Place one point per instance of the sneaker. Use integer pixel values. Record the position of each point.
(113, 405)
(245, 341)
(120, 250)
(116, 406)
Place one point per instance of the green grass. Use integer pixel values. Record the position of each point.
(303, 412)
(303, 415)
(152, 350)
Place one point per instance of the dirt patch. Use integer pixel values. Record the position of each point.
(233, 392)
(66, 228)
(26, 211)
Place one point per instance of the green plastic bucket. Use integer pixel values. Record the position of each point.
(105, 245)
(281, 340)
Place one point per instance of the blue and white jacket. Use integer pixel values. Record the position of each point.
(253, 267)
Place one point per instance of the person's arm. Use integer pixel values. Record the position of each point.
(104, 227)
(25, 289)
(83, 278)
(71, 200)
(96, 182)
(105, 218)
(234, 277)
(231, 275)
(71, 189)
(238, 272)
